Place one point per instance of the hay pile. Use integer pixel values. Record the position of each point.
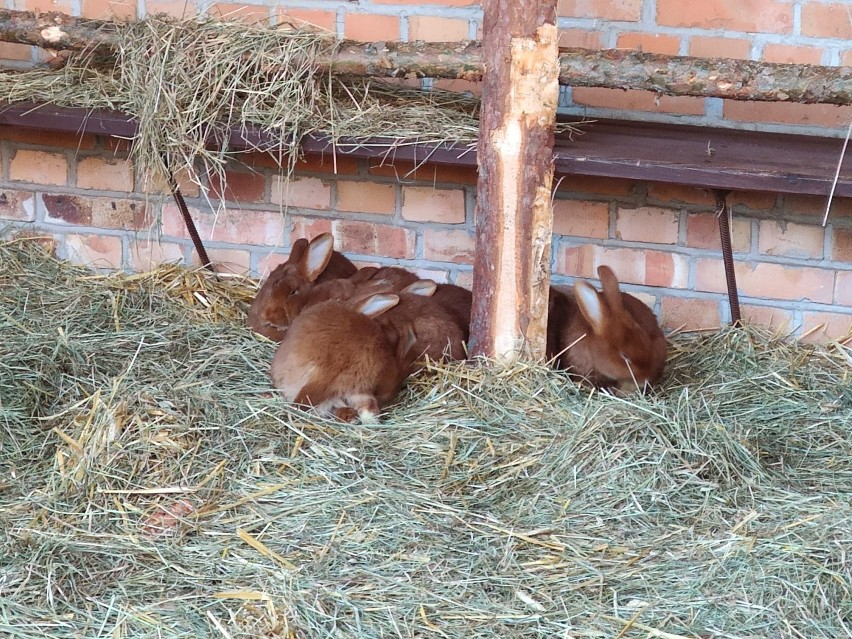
(188, 82)
(150, 486)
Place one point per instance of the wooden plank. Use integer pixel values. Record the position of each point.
(708, 157)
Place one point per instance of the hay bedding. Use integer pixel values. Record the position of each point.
(150, 486)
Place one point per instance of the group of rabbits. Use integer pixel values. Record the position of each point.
(349, 337)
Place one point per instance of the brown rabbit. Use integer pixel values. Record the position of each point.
(280, 298)
(438, 333)
(611, 338)
(335, 358)
(395, 275)
(458, 302)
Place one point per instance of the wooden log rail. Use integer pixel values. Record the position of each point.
(616, 69)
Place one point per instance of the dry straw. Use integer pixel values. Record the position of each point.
(151, 486)
(188, 83)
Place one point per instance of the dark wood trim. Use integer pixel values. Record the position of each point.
(707, 157)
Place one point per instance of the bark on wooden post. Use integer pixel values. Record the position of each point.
(514, 218)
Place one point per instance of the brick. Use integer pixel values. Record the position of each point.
(96, 211)
(308, 227)
(820, 327)
(409, 172)
(629, 10)
(631, 266)
(753, 16)
(308, 18)
(40, 6)
(841, 249)
(301, 192)
(366, 238)
(269, 262)
(718, 47)
(238, 187)
(146, 255)
(234, 261)
(366, 197)
(792, 54)
(790, 239)
(109, 9)
(815, 205)
(435, 29)
(39, 167)
(262, 228)
(14, 51)
(442, 3)
(647, 224)
(157, 184)
(846, 58)
(753, 200)
(37, 137)
(843, 288)
(249, 13)
(174, 9)
(459, 86)
(702, 231)
(826, 20)
(769, 281)
(435, 275)
(105, 174)
(580, 218)
(637, 101)
(98, 251)
(676, 193)
(328, 163)
(581, 38)
(427, 204)
(689, 314)
(17, 205)
(367, 27)
(825, 115)
(649, 42)
(602, 186)
(768, 316)
(448, 246)
(464, 279)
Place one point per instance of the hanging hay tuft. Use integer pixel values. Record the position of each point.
(189, 82)
(152, 486)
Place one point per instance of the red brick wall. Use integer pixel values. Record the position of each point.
(662, 240)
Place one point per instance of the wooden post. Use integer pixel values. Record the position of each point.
(514, 219)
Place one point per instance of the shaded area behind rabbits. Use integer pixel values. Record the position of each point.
(151, 485)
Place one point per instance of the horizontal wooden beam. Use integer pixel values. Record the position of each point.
(690, 155)
(614, 68)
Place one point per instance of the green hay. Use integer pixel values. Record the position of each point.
(151, 485)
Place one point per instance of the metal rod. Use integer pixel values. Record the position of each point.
(728, 255)
(187, 218)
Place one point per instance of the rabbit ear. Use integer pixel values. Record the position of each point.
(611, 290)
(424, 288)
(375, 305)
(406, 343)
(364, 274)
(589, 301)
(297, 253)
(318, 254)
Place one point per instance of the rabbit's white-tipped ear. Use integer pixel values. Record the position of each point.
(375, 305)
(589, 302)
(319, 252)
(424, 288)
